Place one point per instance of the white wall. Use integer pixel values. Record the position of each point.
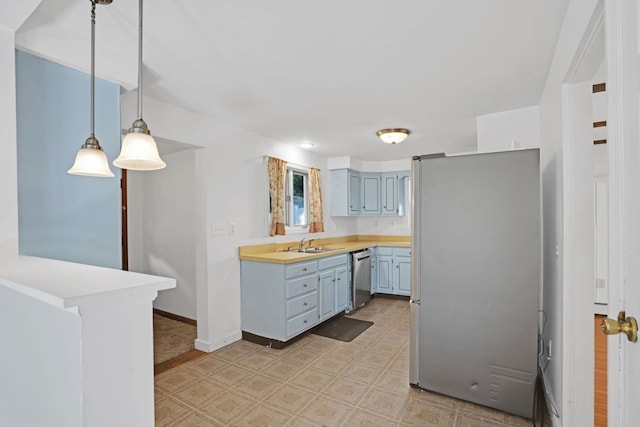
(551, 140)
(163, 228)
(43, 390)
(8, 149)
(230, 171)
(509, 130)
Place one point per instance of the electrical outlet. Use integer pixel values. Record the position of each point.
(232, 228)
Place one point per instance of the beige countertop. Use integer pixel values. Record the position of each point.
(277, 252)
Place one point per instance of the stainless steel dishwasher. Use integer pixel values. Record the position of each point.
(360, 277)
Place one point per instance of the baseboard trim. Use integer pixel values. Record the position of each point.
(177, 361)
(218, 344)
(175, 317)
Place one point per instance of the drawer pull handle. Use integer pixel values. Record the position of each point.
(305, 304)
(304, 321)
(304, 286)
(304, 269)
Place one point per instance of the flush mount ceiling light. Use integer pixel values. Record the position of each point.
(91, 160)
(393, 136)
(139, 150)
(306, 145)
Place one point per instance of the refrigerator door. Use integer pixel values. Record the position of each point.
(478, 249)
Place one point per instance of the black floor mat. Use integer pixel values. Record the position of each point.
(342, 328)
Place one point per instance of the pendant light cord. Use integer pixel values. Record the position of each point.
(93, 64)
(140, 61)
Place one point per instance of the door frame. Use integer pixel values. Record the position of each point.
(577, 405)
(621, 26)
(618, 19)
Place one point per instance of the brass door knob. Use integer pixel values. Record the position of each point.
(625, 325)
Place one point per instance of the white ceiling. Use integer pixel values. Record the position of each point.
(331, 72)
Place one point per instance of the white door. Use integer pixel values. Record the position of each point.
(621, 24)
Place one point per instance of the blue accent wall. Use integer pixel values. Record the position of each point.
(62, 216)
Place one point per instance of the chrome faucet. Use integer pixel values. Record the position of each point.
(301, 244)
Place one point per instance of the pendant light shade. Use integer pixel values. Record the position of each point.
(91, 160)
(139, 150)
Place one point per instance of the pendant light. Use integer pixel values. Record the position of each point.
(139, 150)
(91, 160)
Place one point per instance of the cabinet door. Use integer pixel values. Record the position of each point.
(389, 194)
(354, 193)
(370, 194)
(385, 273)
(402, 276)
(404, 192)
(374, 275)
(342, 288)
(327, 296)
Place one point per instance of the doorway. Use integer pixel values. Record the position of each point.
(161, 240)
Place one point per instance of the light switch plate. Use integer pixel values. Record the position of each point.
(219, 229)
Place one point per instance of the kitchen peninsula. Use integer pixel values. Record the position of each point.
(288, 288)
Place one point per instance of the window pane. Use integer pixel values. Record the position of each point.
(299, 199)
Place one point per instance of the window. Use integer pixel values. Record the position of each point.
(296, 198)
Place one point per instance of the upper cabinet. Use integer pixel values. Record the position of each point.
(389, 194)
(345, 192)
(404, 192)
(369, 193)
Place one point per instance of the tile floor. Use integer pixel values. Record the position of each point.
(316, 381)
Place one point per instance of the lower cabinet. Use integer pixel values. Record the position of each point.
(334, 286)
(393, 271)
(279, 302)
(374, 270)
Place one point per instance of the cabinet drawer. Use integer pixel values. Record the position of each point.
(384, 250)
(402, 251)
(302, 322)
(301, 269)
(301, 304)
(301, 285)
(332, 261)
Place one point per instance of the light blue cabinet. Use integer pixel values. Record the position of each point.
(334, 285)
(327, 305)
(374, 270)
(385, 270)
(370, 194)
(404, 192)
(393, 270)
(389, 194)
(345, 192)
(354, 193)
(342, 289)
(278, 301)
(402, 273)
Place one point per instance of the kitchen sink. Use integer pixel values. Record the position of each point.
(315, 250)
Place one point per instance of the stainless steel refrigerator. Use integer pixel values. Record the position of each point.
(475, 277)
